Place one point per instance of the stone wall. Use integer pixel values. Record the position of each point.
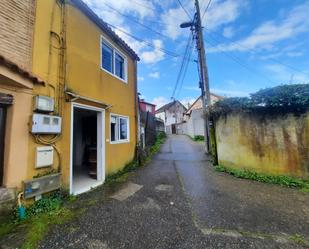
(16, 31)
(273, 144)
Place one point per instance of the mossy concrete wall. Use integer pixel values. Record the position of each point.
(276, 144)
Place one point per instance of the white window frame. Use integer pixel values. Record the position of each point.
(115, 50)
(119, 141)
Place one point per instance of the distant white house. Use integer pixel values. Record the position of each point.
(172, 114)
(193, 124)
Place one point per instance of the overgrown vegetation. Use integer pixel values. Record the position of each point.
(39, 216)
(260, 177)
(143, 157)
(52, 208)
(283, 99)
(198, 138)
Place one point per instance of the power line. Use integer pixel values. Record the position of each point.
(136, 21)
(182, 66)
(150, 8)
(206, 9)
(184, 9)
(252, 50)
(186, 68)
(165, 51)
(236, 60)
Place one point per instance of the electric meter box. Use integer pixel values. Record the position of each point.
(44, 156)
(45, 124)
(43, 104)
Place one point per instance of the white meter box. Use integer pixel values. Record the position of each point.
(44, 156)
(43, 104)
(45, 124)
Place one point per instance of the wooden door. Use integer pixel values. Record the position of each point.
(173, 129)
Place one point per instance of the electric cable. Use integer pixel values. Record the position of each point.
(184, 9)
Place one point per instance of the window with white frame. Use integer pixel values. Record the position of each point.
(113, 61)
(119, 128)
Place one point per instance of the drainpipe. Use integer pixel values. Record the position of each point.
(136, 107)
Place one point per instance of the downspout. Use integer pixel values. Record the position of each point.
(136, 107)
(62, 63)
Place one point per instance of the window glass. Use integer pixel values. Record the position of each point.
(119, 128)
(107, 58)
(119, 66)
(113, 128)
(123, 129)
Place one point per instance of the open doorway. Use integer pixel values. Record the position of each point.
(87, 164)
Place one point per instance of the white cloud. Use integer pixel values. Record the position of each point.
(140, 78)
(154, 55)
(230, 93)
(219, 13)
(228, 32)
(160, 101)
(142, 10)
(285, 75)
(145, 9)
(155, 75)
(223, 12)
(267, 34)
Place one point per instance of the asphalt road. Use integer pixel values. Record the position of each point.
(179, 201)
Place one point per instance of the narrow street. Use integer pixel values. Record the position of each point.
(179, 201)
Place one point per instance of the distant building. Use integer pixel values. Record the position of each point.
(193, 124)
(147, 107)
(172, 114)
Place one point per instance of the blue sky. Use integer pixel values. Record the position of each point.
(249, 44)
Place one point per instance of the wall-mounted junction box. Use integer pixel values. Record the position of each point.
(44, 156)
(43, 103)
(45, 124)
(41, 185)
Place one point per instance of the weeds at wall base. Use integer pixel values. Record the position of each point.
(143, 157)
(302, 185)
(51, 209)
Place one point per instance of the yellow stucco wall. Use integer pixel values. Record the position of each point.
(16, 136)
(85, 77)
(276, 145)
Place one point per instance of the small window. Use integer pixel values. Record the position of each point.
(119, 66)
(107, 58)
(123, 128)
(113, 61)
(119, 128)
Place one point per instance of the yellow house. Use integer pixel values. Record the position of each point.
(81, 117)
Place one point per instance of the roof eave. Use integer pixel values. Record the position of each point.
(104, 27)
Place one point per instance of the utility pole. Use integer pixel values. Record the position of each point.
(196, 26)
(203, 72)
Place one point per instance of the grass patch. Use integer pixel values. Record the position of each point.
(299, 239)
(52, 208)
(198, 138)
(288, 181)
(122, 175)
(40, 224)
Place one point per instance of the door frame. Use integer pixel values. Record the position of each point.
(2, 142)
(101, 157)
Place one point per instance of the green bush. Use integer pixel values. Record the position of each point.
(283, 99)
(198, 138)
